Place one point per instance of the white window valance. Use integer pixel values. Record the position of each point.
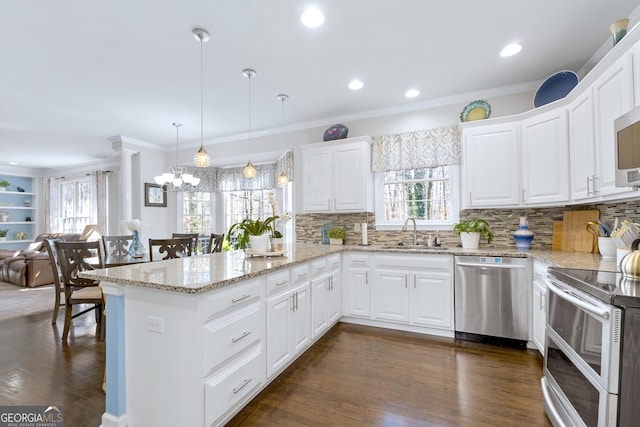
(424, 148)
(208, 178)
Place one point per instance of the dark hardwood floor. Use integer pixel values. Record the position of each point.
(354, 376)
(361, 376)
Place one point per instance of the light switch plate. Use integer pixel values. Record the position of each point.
(155, 324)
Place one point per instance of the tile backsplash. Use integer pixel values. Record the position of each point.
(503, 223)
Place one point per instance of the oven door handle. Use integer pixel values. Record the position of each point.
(568, 296)
(554, 416)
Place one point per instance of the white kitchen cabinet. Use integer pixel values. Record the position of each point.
(415, 289)
(356, 289)
(545, 156)
(337, 176)
(491, 165)
(582, 147)
(288, 325)
(326, 294)
(538, 309)
(612, 97)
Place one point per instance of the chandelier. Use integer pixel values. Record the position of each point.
(201, 158)
(283, 179)
(249, 171)
(178, 179)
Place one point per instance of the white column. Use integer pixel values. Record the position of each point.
(126, 206)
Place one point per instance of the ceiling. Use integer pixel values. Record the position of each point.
(77, 72)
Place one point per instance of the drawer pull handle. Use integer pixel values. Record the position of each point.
(322, 268)
(245, 334)
(241, 298)
(359, 261)
(244, 384)
(284, 282)
(303, 274)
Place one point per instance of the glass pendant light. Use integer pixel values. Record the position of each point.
(283, 179)
(249, 171)
(201, 158)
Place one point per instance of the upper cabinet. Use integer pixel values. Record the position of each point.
(560, 153)
(17, 212)
(545, 156)
(491, 161)
(337, 176)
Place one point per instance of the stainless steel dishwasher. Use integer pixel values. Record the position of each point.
(492, 299)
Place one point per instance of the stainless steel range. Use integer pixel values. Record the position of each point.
(592, 353)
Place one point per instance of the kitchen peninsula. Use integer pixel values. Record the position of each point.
(191, 341)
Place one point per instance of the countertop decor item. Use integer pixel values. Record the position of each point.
(555, 87)
(619, 30)
(4, 184)
(248, 229)
(337, 131)
(336, 235)
(324, 230)
(523, 236)
(476, 110)
(471, 230)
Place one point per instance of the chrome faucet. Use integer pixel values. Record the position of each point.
(404, 228)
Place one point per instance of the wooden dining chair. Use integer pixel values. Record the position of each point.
(116, 245)
(193, 236)
(215, 243)
(58, 280)
(171, 248)
(72, 258)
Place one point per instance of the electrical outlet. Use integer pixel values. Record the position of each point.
(155, 324)
(356, 227)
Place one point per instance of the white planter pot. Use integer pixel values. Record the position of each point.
(276, 244)
(3, 188)
(470, 240)
(335, 241)
(259, 243)
(2, 239)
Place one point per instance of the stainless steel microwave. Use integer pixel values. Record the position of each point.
(627, 132)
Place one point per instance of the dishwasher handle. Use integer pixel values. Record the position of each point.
(479, 264)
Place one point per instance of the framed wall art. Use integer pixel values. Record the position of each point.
(155, 195)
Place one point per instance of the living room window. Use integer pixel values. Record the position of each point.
(239, 205)
(76, 210)
(428, 195)
(197, 213)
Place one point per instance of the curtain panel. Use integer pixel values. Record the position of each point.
(231, 179)
(424, 148)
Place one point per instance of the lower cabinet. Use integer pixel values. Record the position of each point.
(356, 270)
(414, 295)
(326, 301)
(539, 308)
(288, 326)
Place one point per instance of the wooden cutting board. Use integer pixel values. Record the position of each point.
(556, 237)
(574, 222)
(584, 241)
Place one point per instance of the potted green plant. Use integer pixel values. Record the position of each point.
(471, 230)
(336, 235)
(3, 234)
(253, 233)
(4, 184)
(276, 241)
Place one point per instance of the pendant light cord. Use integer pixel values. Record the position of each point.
(201, 93)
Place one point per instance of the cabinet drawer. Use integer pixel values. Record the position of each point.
(231, 387)
(300, 274)
(319, 267)
(228, 335)
(232, 297)
(357, 260)
(333, 262)
(278, 282)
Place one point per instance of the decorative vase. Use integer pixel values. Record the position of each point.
(136, 247)
(523, 236)
(619, 30)
(470, 240)
(607, 247)
(259, 243)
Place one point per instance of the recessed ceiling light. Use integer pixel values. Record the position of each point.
(510, 50)
(312, 17)
(412, 93)
(356, 84)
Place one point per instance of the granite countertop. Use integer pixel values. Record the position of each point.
(203, 273)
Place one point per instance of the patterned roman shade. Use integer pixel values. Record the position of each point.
(422, 148)
(231, 179)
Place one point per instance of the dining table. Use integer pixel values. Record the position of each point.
(112, 260)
